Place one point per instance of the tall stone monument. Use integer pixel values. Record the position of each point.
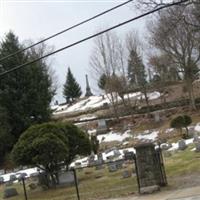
(150, 168)
(88, 90)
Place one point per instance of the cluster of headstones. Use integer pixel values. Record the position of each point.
(196, 141)
(182, 144)
(113, 166)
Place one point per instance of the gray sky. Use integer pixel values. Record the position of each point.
(39, 19)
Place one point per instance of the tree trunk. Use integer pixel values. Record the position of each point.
(191, 94)
(146, 99)
(115, 106)
(181, 131)
(53, 179)
(187, 132)
(131, 109)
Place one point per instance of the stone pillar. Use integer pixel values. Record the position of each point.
(149, 169)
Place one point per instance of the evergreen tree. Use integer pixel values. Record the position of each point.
(25, 94)
(180, 122)
(71, 89)
(137, 75)
(136, 70)
(102, 82)
(6, 139)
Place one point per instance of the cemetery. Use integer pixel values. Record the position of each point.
(113, 172)
(115, 120)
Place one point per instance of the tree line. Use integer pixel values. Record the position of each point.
(168, 53)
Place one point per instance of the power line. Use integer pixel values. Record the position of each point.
(94, 35)
(67, 29)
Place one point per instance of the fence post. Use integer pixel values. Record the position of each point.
(76, 183)
(24, 186)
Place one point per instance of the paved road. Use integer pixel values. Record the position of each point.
(192, 193)
(194, 197)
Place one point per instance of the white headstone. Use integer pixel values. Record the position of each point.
(157, 117)
(102, 123)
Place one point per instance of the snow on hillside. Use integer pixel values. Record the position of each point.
(147, 135)
(98, 101)
(112, 136)
(29, 172)
(87, 118)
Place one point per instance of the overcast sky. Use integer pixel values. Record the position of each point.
(38, 19)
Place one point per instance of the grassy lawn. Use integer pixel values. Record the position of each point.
(104, 184)
(182, 163)
(92, 184)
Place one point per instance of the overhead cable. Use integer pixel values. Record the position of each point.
(67, 29)
(94, 35)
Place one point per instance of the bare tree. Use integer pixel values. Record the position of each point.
(181, 44)
(106, 59)
(153, 4)
(163, 67)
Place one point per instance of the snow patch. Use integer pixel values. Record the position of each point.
(175, 145)
(29, 171)
(92, 131)
(87, 118)
(98, 101)
(113, 136)
(197, 127)
(148, 136)
(169, 130)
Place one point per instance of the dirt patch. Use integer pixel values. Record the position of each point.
(185, 181)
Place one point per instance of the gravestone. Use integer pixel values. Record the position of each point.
(197, 145)
(129, 155)
(13, 177)
(91, 160)
(182, 145)
(77, 164)
(1, 180)
(102, 126)
(66, 178)
(100, 158)
(10, 192)
(43, 179)
(116, 153)
(165, 146)
(191, 132)
(157, 116)
(112, 167)
(119, 164)
(126, 174)
(196, 137)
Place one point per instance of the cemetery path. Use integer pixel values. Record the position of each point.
(192, 193)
